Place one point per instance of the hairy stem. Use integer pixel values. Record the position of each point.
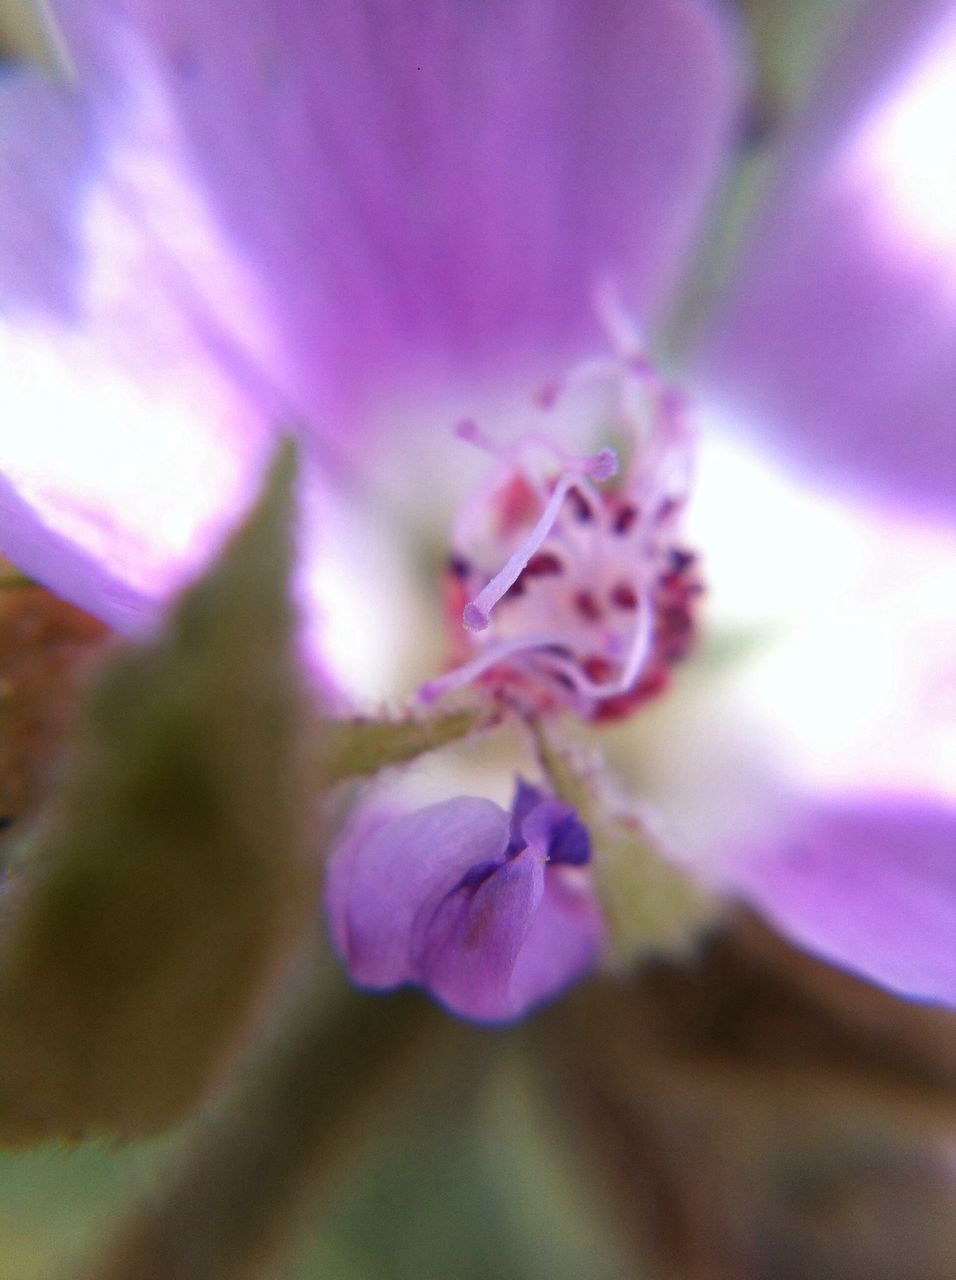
(361, 748)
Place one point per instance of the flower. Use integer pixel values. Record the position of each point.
(492, 912)
(348, 219)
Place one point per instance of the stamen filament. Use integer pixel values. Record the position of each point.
(434, 689)
(477, 612)
(636, 657)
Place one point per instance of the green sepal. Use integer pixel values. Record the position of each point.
(155, 897)
(652, 905)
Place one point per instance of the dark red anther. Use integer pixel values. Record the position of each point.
(459, 566)
(624, 596)
(624, 520)
(543, 564)
(582, 508)
(597, 668)
(587, 606)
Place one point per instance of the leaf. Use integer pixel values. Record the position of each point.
(152, 902)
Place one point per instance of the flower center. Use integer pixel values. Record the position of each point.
(568, 587)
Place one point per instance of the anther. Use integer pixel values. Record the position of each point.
(477, 612)
(624, 520)
(587, 606)
(583, 512)
(543, 565)
(624, 596)
(681, 560)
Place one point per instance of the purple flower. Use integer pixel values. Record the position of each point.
(366, 221)
(491, 912)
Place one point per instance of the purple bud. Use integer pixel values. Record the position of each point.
(489, 911)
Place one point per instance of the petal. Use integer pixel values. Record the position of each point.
(529, 930)
(556, 829)
(386, 874)
(838, 334)
(846, 616)
(869, 885)
(468, 948)
(43, 152)
(131, 426)
(436, 188)
(83, 579)
(827, 669)
(564, 941)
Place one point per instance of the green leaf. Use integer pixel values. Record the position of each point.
(157, 895)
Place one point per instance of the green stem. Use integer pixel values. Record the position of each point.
(321, 1085)
(361, 748)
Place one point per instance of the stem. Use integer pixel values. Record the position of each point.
(313, 1093)
(362, 748)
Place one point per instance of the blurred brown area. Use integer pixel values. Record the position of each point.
(759, 1115)
(46, 649)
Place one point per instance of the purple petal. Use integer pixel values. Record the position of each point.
(38, 235)
(435, 188)
(556, 828)
(467, 949)
(84, 580)
(440, 898)
(564, 941)
(839, 334)
(869, 886)
(130, 437)
(386, 874)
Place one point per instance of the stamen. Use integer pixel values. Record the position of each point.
(582, 508)
(637, 654)
(624, 520)
(587, 606)
(432, 690)
(624, 596)
(477, 612)
(543, 564)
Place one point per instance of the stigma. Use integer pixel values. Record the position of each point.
(568, 587)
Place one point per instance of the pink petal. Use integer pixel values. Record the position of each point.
(132, 429)
(838, 336)
(434, 188)
(870, 885)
